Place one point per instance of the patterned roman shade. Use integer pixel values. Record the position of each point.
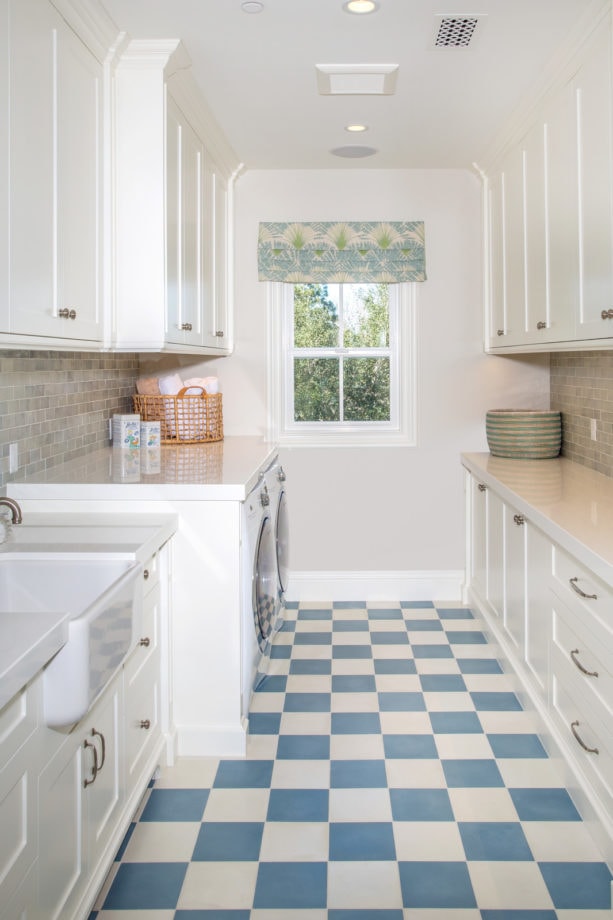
(327, 251)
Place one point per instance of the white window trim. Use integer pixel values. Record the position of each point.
(400, 432)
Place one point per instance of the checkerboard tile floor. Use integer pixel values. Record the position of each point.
(391, 775)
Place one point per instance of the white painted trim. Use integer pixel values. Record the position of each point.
(376, 586)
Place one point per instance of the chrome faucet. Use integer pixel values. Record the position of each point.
(16, 517)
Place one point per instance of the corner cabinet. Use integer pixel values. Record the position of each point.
(550, 216)
(51, 149)
(172, 205)
(550, 616)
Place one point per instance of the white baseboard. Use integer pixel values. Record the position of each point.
(376, 586)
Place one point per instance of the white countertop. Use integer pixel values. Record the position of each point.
(572, 504)
(221, 471)
(29, 641)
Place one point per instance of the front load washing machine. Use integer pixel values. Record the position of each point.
(276, 482)
(261, 604)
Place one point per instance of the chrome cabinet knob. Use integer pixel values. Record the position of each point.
(65, 313)
(607, 314)
(541, 325)
(145, 723)
(219, 333)
(500, 332)
(145, 642)
(482, 487)
(519, 519)
(187, 327)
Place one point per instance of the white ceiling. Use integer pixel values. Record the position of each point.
(258, 74)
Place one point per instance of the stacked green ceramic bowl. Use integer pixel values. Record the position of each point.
(528, 434)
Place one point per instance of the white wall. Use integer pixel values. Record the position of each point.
(398, 509)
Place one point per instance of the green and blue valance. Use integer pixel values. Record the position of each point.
(328, 251)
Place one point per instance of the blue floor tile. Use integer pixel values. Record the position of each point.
(125, 842)
(146, 886)
(358, 774)
(394, 614)
(579, 886)
(436, 885)
(365, 915)
(291, 886)
(518, 915)
(274, 683)
(472, 773)
(516, 745)
(356, 723)
(479, 666)
(264, 723)
(243, 774)
(351, 651)
(431, 651)
(212, 915)
(494, 840)
(298, 805)
(175, 805)
(314, 614)
(423, 625)
(233, 841)
(349, 605)
(421, 804)
(307, 702)
(387, 637)
(402, 702)
(544, 805)
(395, 666)
(455, 723)
(313, 638)
(311, 666)
(353, 683)
(473, 637)
(303, 747)
(442, 683)
(369, 840)
(496, 702)
(416, 747)
(456, 613)
(415, 605)
(281, 652)
(289, 626)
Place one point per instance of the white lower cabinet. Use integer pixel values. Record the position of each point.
(67, 796)
(551, 617)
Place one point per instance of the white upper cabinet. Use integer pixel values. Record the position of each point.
(550, 217)
(173, 172)
(54, 149)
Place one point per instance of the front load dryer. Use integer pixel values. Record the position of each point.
(260, 602)
(276, 482)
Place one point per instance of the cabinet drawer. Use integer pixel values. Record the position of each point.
(588, 647)
(585, 723)
(582, 590)
(148, 642)
(142, 718)
(18, 816)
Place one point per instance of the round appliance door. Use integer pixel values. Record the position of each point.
(264, 583)
(282, 542)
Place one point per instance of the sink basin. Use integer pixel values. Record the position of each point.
(102, 602)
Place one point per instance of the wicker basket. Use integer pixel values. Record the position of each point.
(184, 419)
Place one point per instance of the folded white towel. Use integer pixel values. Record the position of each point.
(210, 384)
(170, 385)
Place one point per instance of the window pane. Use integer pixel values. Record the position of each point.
(316, 390)
(367, 317)
(315, 315)
(366, 390)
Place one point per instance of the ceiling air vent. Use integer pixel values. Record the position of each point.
(455, 31)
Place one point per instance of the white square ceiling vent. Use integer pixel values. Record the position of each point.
(356, 79)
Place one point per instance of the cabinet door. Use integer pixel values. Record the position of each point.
(185, 230)
(4, 166)
(539, 611)
(55, 120)
(538, 320)
(593, 88)
(478, 537)
(514, 249)
(495, 553)
(497, 302)
(102, 750)
(515, 578)
(562, 208)
(217, 333)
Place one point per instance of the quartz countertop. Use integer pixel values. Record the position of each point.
(572, 504)
(29, 641)
(220, 471)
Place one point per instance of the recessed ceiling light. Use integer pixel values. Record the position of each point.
(354, 152)
(356, 129)
(360, 6)
(252, 6)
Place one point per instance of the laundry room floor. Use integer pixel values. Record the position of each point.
(391, 775)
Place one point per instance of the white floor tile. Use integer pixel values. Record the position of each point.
(285, 841)
(437, 701)
(482, 805)
(529, 773)
(162, 841)
(405, 723)
(188, 773)
(301, 774)
(356, 747)
(415, 774)
(517, 885)
(561, 841)
(360, 805)
(218, 885)
(364, 885)
(237, 805)
(355, 702)
(305, 723)
(438, 841)
(463, 746)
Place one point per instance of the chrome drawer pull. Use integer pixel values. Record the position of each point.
(573, 728)
(583, 670)
(481, 487)
(577, 590)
